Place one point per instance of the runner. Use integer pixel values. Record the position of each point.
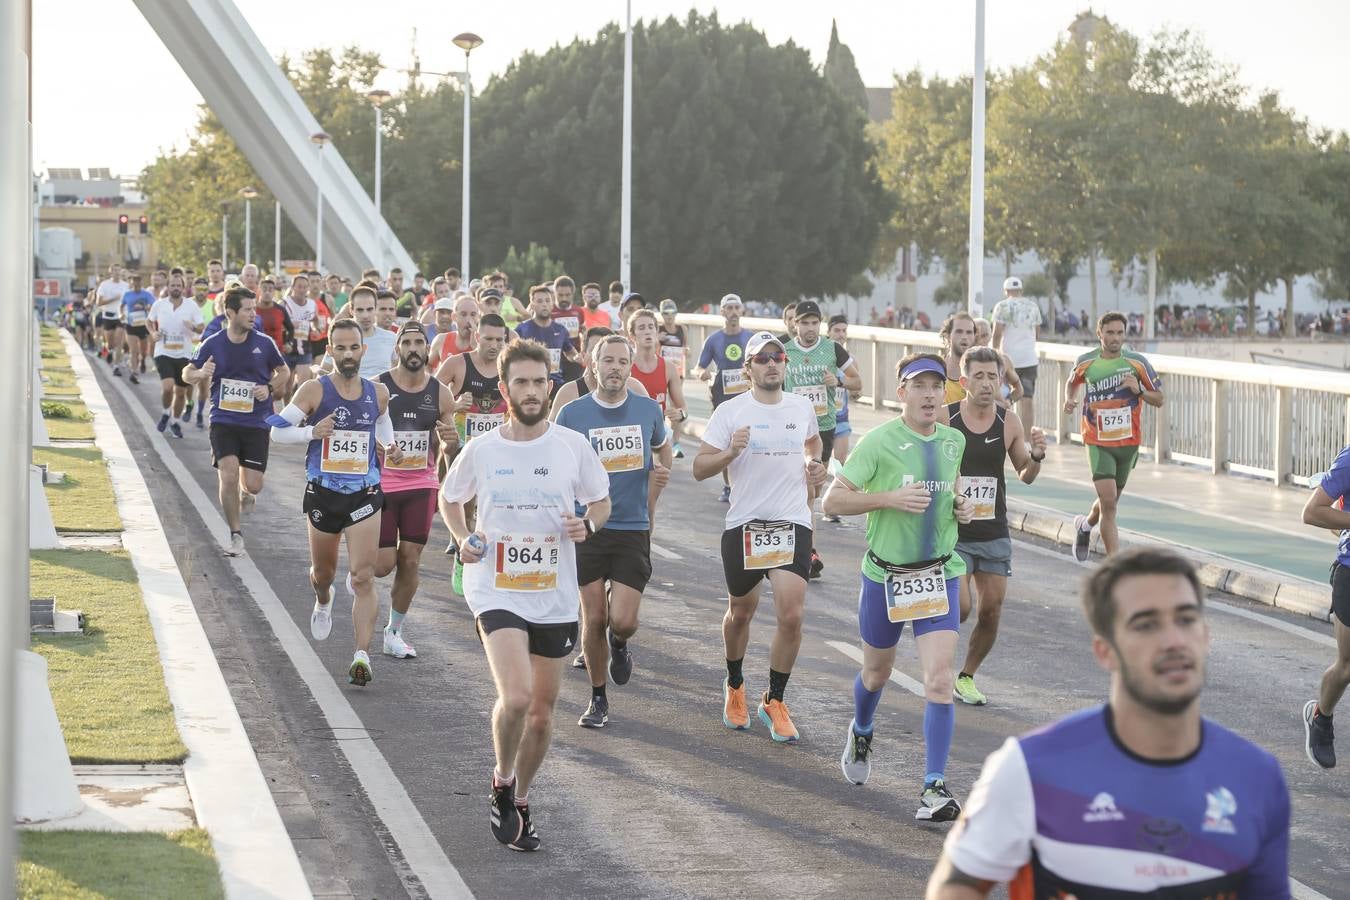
(386, 313)
(564, 313)
(586, 382)
(592, 315)
(720, 364)
(1117, 380)
(629, 435)
(242, 369)
(541, 327)
(659, 377)
(378, 342)
(811, 367)
(1010, 389)
(523, 593)
(614, 308)
(958, 336)
(903, 476)
(207, 305)
(1139, 797)
(1326, 509)
(350, 421)
(276, 322)
(174, 324)
(768, 529)
(843, 430)
(1017, 324)
(460, 339)
(136, 304)
(423, 417)
(993, 436)
(108, 296)
(675, 351)
(301, 311)
(443, 311)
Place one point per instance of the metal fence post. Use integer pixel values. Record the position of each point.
(1162, 442)
(1218, 427)
(878, 391)
(1284, 428)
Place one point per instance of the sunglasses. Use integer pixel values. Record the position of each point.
(768, 356)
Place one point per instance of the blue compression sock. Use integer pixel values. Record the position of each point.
(864, 706)
(395, 619)
(939, 721)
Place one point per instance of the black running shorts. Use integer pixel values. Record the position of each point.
(741, 581)
(248, 445)
(826, 446)
(620, 556)
(170, 368)
(1340, 593)
(550, 641)
(332, 512)
(138, 331)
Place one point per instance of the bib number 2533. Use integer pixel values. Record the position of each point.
(916, 595)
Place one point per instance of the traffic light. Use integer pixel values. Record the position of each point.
(145, 224)
(122, 221)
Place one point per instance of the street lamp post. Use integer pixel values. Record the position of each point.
(320, 139)
(248, 194)
(975, 260)
(225, 235)
(276, 240)
(378, 99)
(626, 190)
(467, 42)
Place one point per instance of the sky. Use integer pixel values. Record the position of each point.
(107, 93)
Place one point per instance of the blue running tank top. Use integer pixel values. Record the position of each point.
(345, 460)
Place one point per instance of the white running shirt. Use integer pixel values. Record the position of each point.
(176, 333)
(1019, 316)
(109, 297)
(769, 478)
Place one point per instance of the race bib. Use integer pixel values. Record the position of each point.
(236, 395)
(416, 447)
(674, 356)
(572, 325)
(818, 394)
(476, 424)
(527, 562)
(840, 397)
(554, 360)
(1115, 423)
(916, 595)
(173, 342)
(620, 447)
(769, 545)
(346, 453)
(136, 317)
(734, 381)
(982, 491)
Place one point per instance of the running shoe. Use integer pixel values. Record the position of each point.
(735, 714)
(620, 663)
(966, 691)
(679, 452)
(457, 577)
(1082, 540)
(117, 370)
(507, 824)
(142, 367)
(163, 423)
(187, 412)
(175, 430)
(528, 841)
(726, 494)
(451, 548)
(247, 501)
(201, 423)
(774, 714)
(359, 674)
(936, 803)
(236, 545)
(321, 619)
(134, 379)
(856, 762)
(579, 662)
(817, 564)
(596, 714)
(1318, 738)
(396, 646)
(834, 520)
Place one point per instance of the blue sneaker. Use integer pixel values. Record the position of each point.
(163, 423)
(175, 430)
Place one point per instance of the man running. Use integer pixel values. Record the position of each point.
(674, 350)
(1142, 796)
(903, 475)
(1017, 324)
(136, 305)
(958, 336)
(301, 312)
(770, 439)
(520, 577)
(342, 495)
(174, 324)
(564, 313)
(1326, 509)
(242, 369)
(843, 429)
(720, 364)
(993, 436)
(659, 377)
(108, 297)
(629, 435)
(592, 316)
(586, 382)
(553, 335)
(378, 342)
(1119, 382)
(423, 416)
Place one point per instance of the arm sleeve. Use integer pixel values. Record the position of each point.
(286, 427)
(384, 429)
(841, 356)
(993, 838)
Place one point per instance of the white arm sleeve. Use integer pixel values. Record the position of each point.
(294, 433)
(384, 429)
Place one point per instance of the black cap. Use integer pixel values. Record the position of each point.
(807, 308)
(838, 320)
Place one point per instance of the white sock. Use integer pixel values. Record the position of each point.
(1087, 526)
(167, 411)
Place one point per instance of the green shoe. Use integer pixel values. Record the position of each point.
(457, 579)
(967, 692)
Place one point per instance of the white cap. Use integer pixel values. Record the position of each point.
(446, 303)
(730, 299)
(1012, 283)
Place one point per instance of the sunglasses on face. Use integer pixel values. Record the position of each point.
(767, 356)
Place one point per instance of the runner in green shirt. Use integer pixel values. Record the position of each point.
(903, 477)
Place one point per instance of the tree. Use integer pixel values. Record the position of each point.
(534, 266)
(842, 72)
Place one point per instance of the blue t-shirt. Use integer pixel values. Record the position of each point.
(218, 324)
(136, 307)
(623, 437)
(251, 361)
(1337, 486)
(553, 336)
(727, 351)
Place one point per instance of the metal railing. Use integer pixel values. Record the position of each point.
(1279, 423)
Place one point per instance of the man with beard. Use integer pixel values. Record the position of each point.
(301, 310)
(719, 364)
(423, 416)
(564, 313)
(276, 323)
(1142, 796)
(241, 369)
(629, 436)
(541, 327)
(592, 316)
(349, 418)
(174, 324)
(520, 576)
(902, 476)
(769, 437)
(958, 336)
(108, 300)
(378, 342)
(586, 381)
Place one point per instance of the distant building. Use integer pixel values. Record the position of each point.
(89, 204)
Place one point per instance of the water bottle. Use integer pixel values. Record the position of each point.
(475, 543)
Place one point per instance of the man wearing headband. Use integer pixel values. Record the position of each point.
(720, 364)
(903, 475)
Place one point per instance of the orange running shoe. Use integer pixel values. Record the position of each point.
(735, 714)
(774, 714)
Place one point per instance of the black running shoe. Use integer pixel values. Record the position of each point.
(1082, 539)
(620, 663)
(817, 564)
(134, 379)
(596, 715)
(1318, 738)
(936, 804)
(506, 822)
(528, 841)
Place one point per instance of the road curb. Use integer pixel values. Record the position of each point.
(229, 793)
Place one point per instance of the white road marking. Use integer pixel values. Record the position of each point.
(384, 791)
(897, 676)
(1300, 891)
(663, 552)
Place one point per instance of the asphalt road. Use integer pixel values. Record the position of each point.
(666, 801)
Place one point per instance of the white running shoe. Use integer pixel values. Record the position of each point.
(236, 545)
(395, 646)
(321, 619)
(350, 589)
(247, 501)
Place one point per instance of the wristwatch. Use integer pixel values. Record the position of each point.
(590, 526)
(1035, 458)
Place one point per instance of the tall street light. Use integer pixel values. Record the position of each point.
(467, 42)
(225, 235)
(377, 99)
(320, 139)
(975, 260)
(276, 240)
(626, 191)
(248, 194)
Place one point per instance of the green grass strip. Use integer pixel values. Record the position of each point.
(90, 865)
(84, 502)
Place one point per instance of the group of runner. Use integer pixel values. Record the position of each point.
(546, 446)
